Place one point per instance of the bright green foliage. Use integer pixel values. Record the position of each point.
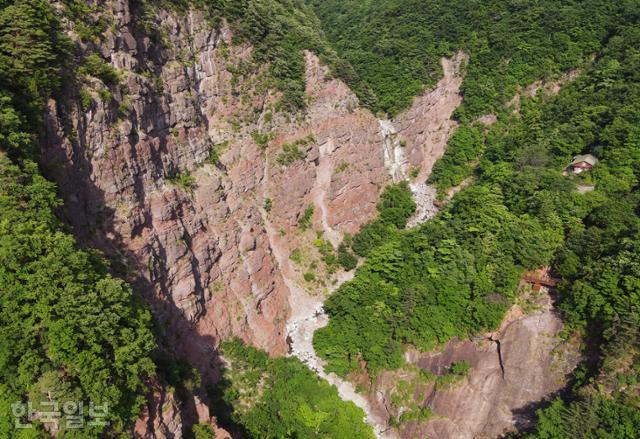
(268, 205)
(87, 24)
(85, 99)
(395, 45)
(395, 207)
(70, 329)
(282, 398)
(290, 153)
(464, 146)
(31, 46)
(95, 66)
(458, 273)
(460, 368)
(600, 113)
(203, 431)
(261, 139)
(32, 50)
(304, 221)
(279, 31)
(593, 418)
(214, 157)
(454, 275)
(345, 258)
(609, 406)
(184, 180)
(327, 253)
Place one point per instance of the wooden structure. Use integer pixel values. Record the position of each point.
(542, 277)
(582, 162)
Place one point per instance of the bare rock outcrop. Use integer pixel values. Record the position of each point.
(511, 371)
(132, 163)
(161, 418)
(139, 180)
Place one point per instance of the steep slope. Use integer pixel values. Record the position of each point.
(169, 171)
(219, 166)
(71, 331)
(510, 370)
(519, 208)
(394, 45)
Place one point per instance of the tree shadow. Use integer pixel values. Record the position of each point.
(65, 160)
(216, 393)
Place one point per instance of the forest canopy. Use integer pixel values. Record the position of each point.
(281, 397)
(395, 46)
(456, 274)
(73, 331)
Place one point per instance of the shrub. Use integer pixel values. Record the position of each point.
(85, 99)
(460, 368)
(203, 431)
(261, 139)
(281, 397)
(346, 260)
(95, 66)
(396, 206)
(214, 157)
(304, 221)
(184, 180)
(296, 256)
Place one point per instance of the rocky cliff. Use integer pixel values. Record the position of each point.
(194, 183)
(510, 372)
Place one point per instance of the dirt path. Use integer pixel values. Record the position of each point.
(307, 316)
(321, 186)
(307, 313)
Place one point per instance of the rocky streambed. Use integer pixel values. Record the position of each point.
(308, 314)
(310, 317)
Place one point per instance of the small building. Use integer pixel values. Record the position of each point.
(542, 277)
(583, 162)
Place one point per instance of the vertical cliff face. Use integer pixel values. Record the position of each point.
(133, 166)
(510, 371)
(189, 177)
(201, 248)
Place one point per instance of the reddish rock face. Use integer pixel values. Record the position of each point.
(511, 371)
(427, 125)
(203, 250)
(161, 418)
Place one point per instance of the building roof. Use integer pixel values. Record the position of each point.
(586, 158)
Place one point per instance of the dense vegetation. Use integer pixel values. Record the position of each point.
(459, 272)
(464, 146)
(600, 262)
(455, 275)
(282, 398)
(279, 31)
(395, 45)
(71, 332)
(395, 207)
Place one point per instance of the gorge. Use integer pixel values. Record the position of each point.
(285, 184)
